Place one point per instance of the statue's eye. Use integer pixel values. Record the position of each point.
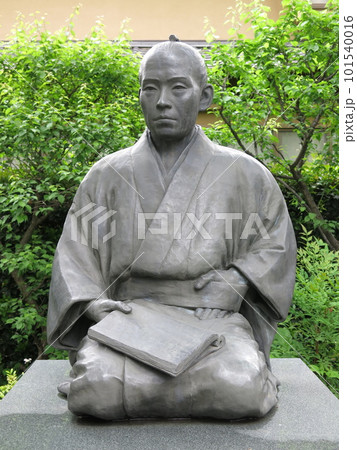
(178, 87)
(149, 88)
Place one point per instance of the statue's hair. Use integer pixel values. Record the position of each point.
(171, 47)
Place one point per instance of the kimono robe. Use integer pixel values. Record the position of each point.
(152, 234)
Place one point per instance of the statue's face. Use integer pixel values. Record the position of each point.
(170, 95)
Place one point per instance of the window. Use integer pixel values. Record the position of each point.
(289, 143)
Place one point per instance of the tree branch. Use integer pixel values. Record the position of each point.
(306, 140)
(278, 151)
(35, 222)
(17, 277)
(284, 177)
(229, 125)
(313, 208)
(289, 188)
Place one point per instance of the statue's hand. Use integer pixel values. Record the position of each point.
(232, 284)
(100, 308)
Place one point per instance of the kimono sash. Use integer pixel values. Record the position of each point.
(179, 293)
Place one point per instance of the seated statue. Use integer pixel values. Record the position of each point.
(191, 227)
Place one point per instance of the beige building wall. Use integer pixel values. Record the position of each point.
(150, 20)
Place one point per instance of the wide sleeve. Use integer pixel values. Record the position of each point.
(267, 258)
(76, 275)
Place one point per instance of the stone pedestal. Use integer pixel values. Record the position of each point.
(34, 416)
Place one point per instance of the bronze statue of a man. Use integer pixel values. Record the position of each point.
(202, 232)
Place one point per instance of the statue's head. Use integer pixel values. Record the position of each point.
(173, 89)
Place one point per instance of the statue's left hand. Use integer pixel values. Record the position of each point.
(231, 283)
(231, 278)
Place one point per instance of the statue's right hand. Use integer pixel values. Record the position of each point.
(100, 308)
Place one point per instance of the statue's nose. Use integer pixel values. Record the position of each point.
(164, 100)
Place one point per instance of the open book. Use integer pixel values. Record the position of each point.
(155, 338)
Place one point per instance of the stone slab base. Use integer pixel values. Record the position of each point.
(33, 416)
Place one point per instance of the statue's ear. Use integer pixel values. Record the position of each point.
(206, 97)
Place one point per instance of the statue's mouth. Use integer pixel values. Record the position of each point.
(163, 118)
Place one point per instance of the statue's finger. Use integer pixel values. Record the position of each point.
(123, 307)
(104, 304)
(204, 280)
(206, 313)
(215, 313)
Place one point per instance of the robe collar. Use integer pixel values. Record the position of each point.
(151, 179)
(167, 176)
(180, 192)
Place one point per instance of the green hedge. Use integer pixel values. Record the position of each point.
(63, 105)
(311, 329)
